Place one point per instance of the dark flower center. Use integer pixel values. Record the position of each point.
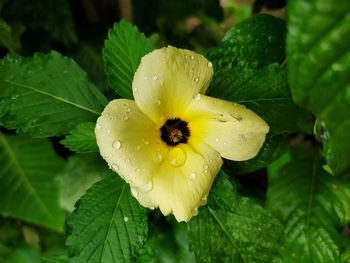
(175, 131)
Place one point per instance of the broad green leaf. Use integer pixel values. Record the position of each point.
(259, 39)
(82, 139)
(46, 95)
(319, 71)
(122, 54)
(247, 71)
(80, 173)
(234, 229)
(27, 181)
(108, 224)
(313, 205)
(167, 243)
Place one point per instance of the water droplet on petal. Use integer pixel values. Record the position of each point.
(197, 96)
(126, 219)
(217, 139)
(138, 147)
(152, 207)
(195, 212)
(196, 79)
(146, 142)
(128, 110)
(147, 187)
(192, 57)
(116, 145)
(115, 167)
(204, 200)
(98, 126)
(210, 64)
(146, 77)
(155, 77)
(158, 157)
(126, 117)
(134, 192)
(127, 160)
(177, 157)
(192, 176)
(108, 131)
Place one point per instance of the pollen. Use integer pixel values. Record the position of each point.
(175, 131)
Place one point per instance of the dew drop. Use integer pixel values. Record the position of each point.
(116, 145)
(197, 96)
(125, 118)
(134, 192)
(204, 200)
(138, 147)
(192, 57)
(155, 77)
(127, 160)
(196, 79)
(177, 157)
(210, 65)
(217, 139)
(195, 212)
(126, 219)
(137, 170)
(108, 131)
(128, 110)
(115, 167)
(146, 77)
(192, 176)
(152, 207)
(147, 187)
(145, 142)
(98, 126)
(158, 157)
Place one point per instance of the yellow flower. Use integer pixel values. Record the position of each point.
(168, 143)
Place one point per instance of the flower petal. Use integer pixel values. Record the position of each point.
(236, 132)
(166, 81)
(181, 189)
(129, 141)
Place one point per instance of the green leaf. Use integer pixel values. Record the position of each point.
(313, 205)
(46, 95)
(82, 139)
(233, 229)
(161, 248)
(246, 71)
(122, 54)
(81, 172)
(108, 225)
(259, 39)
(27, 187)
(319, 70)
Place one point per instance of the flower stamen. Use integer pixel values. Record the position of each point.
(175, 131)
